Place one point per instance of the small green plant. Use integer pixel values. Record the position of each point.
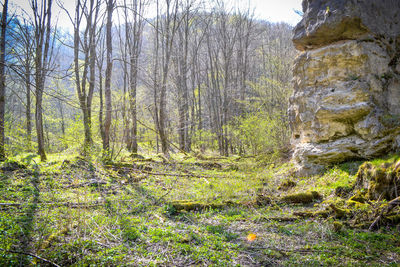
(170, 210)
(220, 231)
(130, 232)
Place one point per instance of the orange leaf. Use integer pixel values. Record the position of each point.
(251, 237)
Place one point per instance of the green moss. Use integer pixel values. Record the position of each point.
(312, 213)
(304, 198)
(210, 165)
(53, 237)
(337, 226)
(263, 200)
(287, 184)
(358, 197)
(339, 212)
(193, 206)
(379, 178)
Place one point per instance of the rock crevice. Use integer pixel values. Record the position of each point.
(346, 100)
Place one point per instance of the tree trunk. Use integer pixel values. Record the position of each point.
(162, 118)
(170, 27)
(28, 105)
(135, 42)
(101, 124)
(42, 38)
(2, 77)
(107, 87)
(133, 85)
(87, 45)
(81, 82)
(39, 125)
(124, 55)
(61, 109)
(183, 96)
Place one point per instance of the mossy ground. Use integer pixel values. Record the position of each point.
(79, 212)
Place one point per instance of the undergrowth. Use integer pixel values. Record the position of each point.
(187, 211)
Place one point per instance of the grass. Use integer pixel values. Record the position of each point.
(126, 218)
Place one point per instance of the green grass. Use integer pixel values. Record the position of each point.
(128, 219)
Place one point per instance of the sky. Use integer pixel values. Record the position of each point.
(278, 10)
(271, 10)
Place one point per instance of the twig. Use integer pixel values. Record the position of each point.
(282, 219)
(283, 250)
(90, 183)
(167, 174)
(11, 204)
(67, 204)
(32, 255)
(169, 191)
(170, 174)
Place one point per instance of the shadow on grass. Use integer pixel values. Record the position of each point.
(350, 167)
(26, 221)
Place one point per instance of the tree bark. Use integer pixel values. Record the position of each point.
(169, 29)
(2, 77)
(133, 85)
(107, 86)
(88, 46)
(134, 39)
(28, 104)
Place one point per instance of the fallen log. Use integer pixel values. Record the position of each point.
(391, 205)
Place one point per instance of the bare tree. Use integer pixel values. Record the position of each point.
(107, 86)
(130, 49)
(211, 69)
(100, 63)
(88, 47)
(181, 65)
(42, 25)
(135, 32)
(123, 50)
(166, 27)
(21, 37)
(2, 77)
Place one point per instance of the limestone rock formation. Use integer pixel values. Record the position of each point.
(346, 101)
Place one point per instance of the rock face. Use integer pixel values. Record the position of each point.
(346, 101)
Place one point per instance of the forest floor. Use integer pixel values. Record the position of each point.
(181, 212)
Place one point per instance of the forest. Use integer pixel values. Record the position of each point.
(156, 133)
(188, 80)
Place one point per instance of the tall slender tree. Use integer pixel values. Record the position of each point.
(134, 40)
(107, 85)
(86, 44)
(167, 26)
(21, 38)
(2, 77)
(42, 25)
